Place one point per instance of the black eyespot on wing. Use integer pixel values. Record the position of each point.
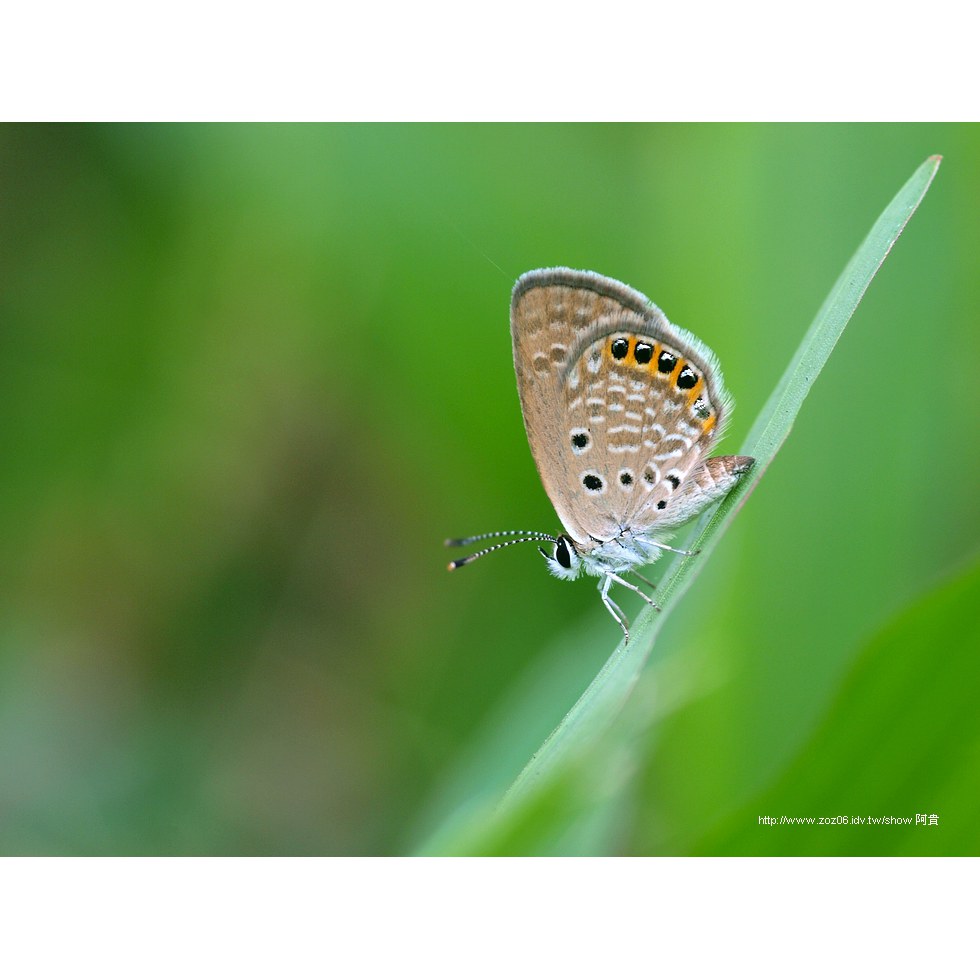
(591, 482)
(580, 440)
(661, 504)
(674, 481)
(643, 352)
(666, 362)
(562, 554)
(620, 348)
(687, 378)
(625, 478)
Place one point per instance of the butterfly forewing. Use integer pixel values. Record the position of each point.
(620, 406)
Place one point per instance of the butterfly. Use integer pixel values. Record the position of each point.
(621, 409)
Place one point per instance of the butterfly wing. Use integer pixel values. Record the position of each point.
(620, 406)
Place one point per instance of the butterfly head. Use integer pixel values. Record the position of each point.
(564, 561)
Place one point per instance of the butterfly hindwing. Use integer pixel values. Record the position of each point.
(621, 407)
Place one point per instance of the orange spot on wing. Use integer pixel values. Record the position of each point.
(709, 422)
(695, 391)
(678, 367)
(657, 350)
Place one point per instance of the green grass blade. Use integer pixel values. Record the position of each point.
(776, 419)
(599, 705)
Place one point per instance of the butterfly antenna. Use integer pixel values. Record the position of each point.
(462, 542)
(460, 562)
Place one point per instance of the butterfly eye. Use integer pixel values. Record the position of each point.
(562, 554)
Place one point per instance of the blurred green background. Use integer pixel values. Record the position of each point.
(254, 374)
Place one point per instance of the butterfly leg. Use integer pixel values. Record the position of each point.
(614, 610)
(643, 579)
(629, 585)
(676, 551)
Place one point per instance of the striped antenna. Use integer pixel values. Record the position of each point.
(462, 542)
(529, 536)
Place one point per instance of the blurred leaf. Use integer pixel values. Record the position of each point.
(547, 798)
(901, 738)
